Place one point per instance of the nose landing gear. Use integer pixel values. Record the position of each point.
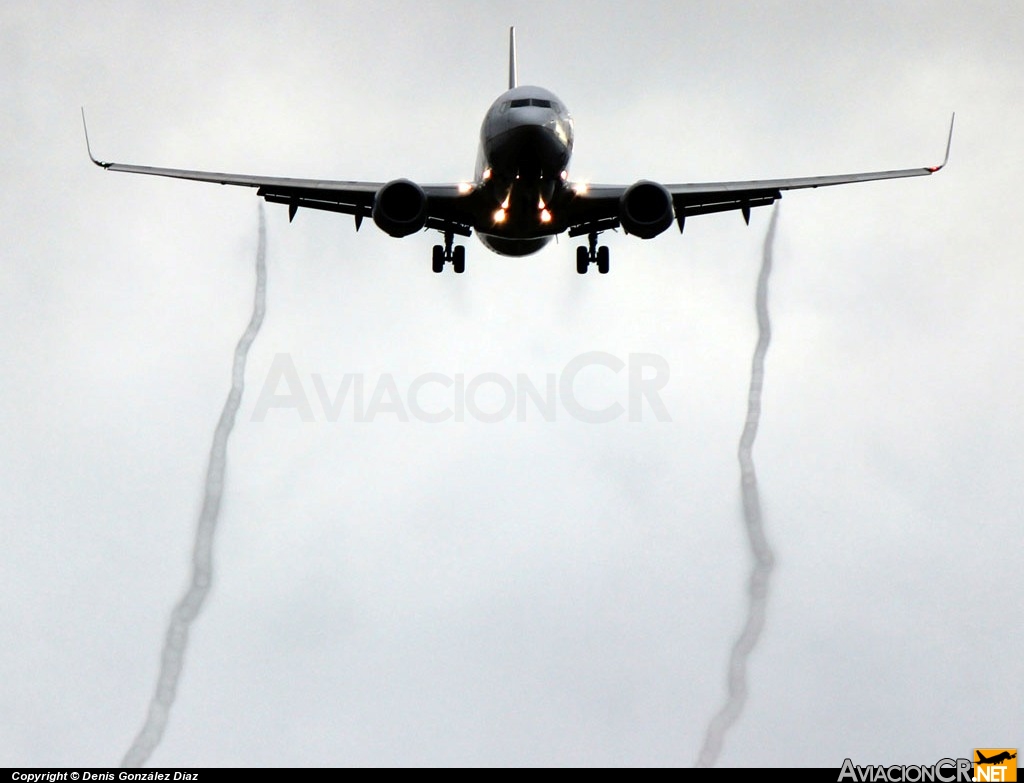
(585, 256)
(443, 254)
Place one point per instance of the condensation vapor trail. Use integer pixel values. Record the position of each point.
(760, 574)
(185, 611)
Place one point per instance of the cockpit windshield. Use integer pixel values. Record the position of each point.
(541, 102)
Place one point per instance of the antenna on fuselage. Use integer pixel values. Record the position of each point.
(513, 71)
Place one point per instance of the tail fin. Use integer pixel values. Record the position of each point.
(513, 71)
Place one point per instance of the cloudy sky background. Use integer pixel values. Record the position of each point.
(532, 592)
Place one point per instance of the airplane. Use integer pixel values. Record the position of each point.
(521, 194)
(996, 759)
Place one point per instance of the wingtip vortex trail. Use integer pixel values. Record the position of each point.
(753, 520)
(172, 656)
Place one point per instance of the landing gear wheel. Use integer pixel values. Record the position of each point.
(459, 259)
(582, 260)
(603, 260)
(437, 259)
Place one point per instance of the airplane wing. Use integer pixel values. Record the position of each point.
(447, 205)
(596, 207)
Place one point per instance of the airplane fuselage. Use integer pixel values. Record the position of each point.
(522, 169)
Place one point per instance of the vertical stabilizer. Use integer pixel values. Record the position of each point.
(513, 71)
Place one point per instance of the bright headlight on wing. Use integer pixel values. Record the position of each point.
(464, 188)
(580, 188)
(499, 216)
(545, 216)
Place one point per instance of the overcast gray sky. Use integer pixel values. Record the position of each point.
(522, 592)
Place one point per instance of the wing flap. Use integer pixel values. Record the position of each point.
(685, 206)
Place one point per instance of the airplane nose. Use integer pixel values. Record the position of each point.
(542, 137)
(539, 118)
(543, 132)
(542, 145)
(534, 142)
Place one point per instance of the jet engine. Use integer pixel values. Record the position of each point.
(645, 209)
(400, 208)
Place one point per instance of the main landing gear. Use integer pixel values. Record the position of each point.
(446, 253)
(592, 255)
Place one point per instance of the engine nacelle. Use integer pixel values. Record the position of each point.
(400, 208)
(645, 209)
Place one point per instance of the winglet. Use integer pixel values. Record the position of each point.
(949, 143)
(513, 70)
(88, 149)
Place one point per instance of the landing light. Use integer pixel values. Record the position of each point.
(581, 188)
(464, 188)
(540, 203)
(499, 216)
(504, 204)
(487, 174)
(545, 216)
